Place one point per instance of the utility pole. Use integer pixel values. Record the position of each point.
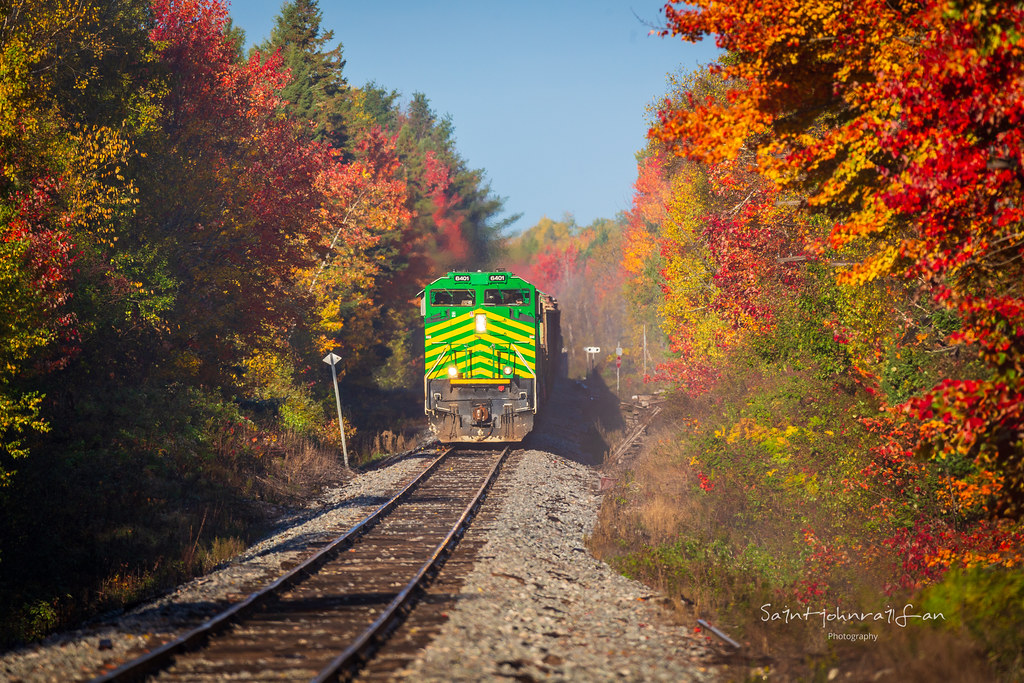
(618, 364)
(332, 360)
(645, 351)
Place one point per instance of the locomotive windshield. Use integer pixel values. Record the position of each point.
(506, 297)
(452, 297)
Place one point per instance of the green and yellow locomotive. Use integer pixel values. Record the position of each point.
(491, 344)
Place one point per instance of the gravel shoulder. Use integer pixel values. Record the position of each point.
(538, 606)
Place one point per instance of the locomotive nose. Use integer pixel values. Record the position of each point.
(481, 414)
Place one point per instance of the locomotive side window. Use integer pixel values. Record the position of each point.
(452, 297)
(506, 297)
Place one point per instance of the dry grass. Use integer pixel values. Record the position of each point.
(611, 436)
(387, 443)
(654, 505)
(305, 465)
(125, 586)
(916, 656)
(277, 466)
(219, 550)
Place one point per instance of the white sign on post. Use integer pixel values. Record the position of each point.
(332, 360)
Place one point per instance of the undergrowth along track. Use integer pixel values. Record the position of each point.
(323, 619)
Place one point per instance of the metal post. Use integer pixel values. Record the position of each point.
(591, 351)
(618, 364)
(332, 359)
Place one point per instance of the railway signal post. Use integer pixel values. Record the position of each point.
(332, 360)
(591, 351)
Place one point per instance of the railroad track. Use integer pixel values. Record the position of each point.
(324, 619)
(632, 441)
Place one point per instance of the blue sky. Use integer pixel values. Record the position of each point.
(547, 97)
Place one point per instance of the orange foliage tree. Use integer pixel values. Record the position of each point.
(717, 240)
(897, 126)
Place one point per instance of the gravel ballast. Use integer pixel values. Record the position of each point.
(538, 606)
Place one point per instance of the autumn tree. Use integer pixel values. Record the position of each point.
(453, 219)
(71, 95)
(582, 267)
(230, 186)
(316, 91)
(366, 204)
(898, 122)
(717, 239)
(34, 273)
(441, 183)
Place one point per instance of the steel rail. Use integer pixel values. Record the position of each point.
(355, 655)
(632, 436)
(159, 658)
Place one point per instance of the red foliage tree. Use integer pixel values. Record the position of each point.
(245, 203)
(446, 218)
(47, 253)
(958, 152)
(901, 122)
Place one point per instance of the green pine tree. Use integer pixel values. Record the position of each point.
(318, 89)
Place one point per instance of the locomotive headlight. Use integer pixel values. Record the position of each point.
(507, 370)
(481, 323)
(453, 371)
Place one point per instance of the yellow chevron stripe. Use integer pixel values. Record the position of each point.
(451, 332)
(440, 339)
(485, 349)
(483, 364)
(526, 329)
(470, 317)
(480, 354)
(484, 342)
(481, 357)
(463, 318)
